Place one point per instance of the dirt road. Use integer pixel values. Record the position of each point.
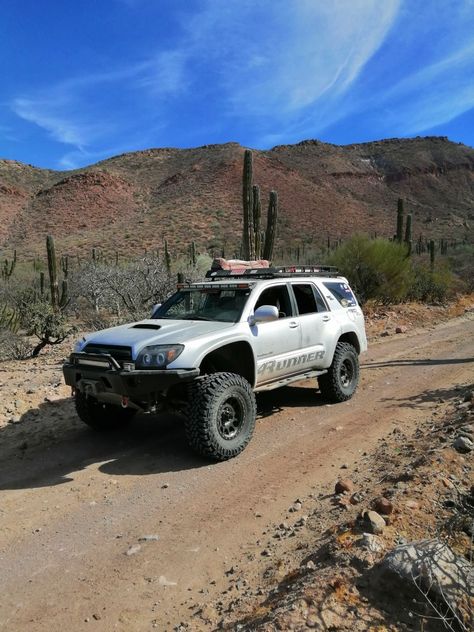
(131, 531)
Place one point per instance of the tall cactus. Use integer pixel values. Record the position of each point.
(408, 240)
(272, 216)
(192, 252)
(399, 236)
(256, 244)
(432, 254)
(65, 265)
(53, 272)
(167, 258)
(247, 202)
(257, 216)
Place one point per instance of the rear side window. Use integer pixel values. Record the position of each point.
(308, 298)
(342, 292)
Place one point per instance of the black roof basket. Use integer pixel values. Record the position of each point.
(274, 272)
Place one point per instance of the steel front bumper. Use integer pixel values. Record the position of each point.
(101, 374)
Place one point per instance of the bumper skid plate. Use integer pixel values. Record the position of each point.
(100, 373)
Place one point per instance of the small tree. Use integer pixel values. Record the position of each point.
(376, 268)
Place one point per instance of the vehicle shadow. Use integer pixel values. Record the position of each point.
(49, 444)
(294, 396)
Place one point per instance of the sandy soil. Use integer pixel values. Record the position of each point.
(131, 531)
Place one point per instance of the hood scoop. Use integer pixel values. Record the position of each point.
(145, 326)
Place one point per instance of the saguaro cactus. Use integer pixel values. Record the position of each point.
(399, 236)
(256, 243)
(256, 216)
(432, 254)
(167, 258)
(408, 240)
(247, 202)
(272, 217)
(53, 272)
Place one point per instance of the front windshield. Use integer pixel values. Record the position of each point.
(205, 304)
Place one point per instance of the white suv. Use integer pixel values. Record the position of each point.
(211, 346)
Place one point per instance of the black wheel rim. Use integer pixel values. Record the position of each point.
(230, 418)
(346, 373)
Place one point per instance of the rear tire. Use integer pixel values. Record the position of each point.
(340, 382)
(221, 415)
(101, 416)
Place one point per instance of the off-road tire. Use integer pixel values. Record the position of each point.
(221, 415)
(340, 382)
(101, 416)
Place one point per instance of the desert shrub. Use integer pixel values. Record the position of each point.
(377, 269)
(124, 291)
(461, 261)
(13, 346)
(39, 319)
(431, 286)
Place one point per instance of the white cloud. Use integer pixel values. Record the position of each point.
(84, 111)
(436, 94)
(41, 113)
(285, 58)
(165, 75)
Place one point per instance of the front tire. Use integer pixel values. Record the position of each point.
(101, 416)
(342, 378)
(221, 415)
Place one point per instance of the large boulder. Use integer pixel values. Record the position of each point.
(436, 569)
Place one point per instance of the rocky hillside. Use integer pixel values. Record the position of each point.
(136, 200)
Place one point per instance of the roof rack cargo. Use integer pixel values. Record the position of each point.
(275, 272)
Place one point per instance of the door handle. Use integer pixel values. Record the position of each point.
(326, 318)
(293, 324)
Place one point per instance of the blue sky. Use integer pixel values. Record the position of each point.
(85, 80)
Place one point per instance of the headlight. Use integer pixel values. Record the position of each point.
(158, 356)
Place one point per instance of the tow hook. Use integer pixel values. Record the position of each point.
(124, 402)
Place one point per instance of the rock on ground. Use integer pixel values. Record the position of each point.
(435, 567)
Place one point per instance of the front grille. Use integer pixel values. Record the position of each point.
(118, 353)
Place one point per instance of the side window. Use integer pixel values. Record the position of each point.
(279, 297)
(305, 298)
(342, 292)
(308, 298)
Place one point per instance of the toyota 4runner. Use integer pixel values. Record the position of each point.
(212, 345)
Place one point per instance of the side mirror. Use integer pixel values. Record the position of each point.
(264, 314)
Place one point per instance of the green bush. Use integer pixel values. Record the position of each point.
(376, 268)
(431, 286)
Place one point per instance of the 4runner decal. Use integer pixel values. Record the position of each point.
(276, 365)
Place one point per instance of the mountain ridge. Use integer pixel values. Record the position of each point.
(135, 200)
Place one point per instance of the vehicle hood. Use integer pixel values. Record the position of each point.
(153, 332)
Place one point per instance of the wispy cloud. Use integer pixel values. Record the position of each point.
(88, 111)
(286, 57)
(42, 113)
(436, 94)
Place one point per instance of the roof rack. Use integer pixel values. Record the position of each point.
(274, 272)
